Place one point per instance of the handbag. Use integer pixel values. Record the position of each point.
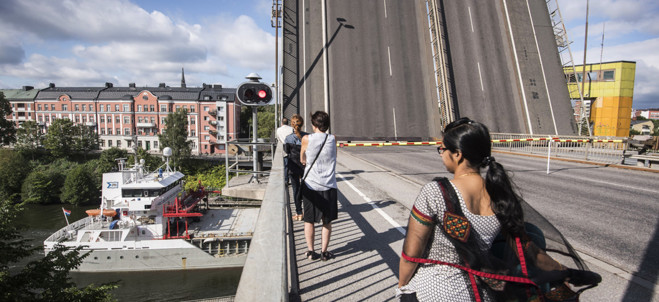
(302, 185)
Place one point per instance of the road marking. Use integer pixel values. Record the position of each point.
(480, 75)
(385, 8)
(470, 21)
(389, 52)
(375, 206)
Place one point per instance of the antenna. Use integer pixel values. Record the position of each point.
(167, 153)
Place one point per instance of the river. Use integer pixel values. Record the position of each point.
(41, 221)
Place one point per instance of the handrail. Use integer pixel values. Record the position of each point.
(264, 276)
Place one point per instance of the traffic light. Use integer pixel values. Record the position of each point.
(254, 93)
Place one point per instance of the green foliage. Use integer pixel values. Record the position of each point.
(107, 161)
(213, 177)
(44, 184)
(266, 121)
(59, 138)
(13, 169)
(85, 139)
(80, 186)
(46, 279)
(7, 127)
(29, 138)
(633, 132)
(175, 136)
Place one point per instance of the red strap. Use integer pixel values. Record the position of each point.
(472, 271)
(520, 255)
(474, 287)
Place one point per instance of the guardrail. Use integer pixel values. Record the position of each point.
(607, 150)
(265, 274)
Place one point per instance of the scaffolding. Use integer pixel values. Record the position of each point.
(564, 52)
(441, 64)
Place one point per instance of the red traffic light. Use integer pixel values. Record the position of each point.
(262, 94)
(254, 94)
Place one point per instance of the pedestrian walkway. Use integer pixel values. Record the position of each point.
(365, 266)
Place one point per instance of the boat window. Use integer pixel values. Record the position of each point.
(147, 206)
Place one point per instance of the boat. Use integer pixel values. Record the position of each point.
(147, 222)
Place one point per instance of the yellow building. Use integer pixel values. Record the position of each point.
(610, 88)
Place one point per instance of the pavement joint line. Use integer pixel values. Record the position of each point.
(375, 206)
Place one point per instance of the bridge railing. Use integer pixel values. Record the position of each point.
(608, 150)
(265, 274)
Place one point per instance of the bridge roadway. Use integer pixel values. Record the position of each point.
(609, 215)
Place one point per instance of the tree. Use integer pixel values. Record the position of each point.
(7, 127)
(151, 162)
(59, 138)
(266, 121)
(80, 186)
(13, 169)
(108, 159)
(29, 138)
(45, 279)
(38, 187)
(85, 139)
(175, 136)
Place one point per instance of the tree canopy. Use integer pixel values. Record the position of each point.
(7, 127)
(59, 138)
(80, 186)
(45, 279)
(175, 136)
(29, 138)
(13, 169)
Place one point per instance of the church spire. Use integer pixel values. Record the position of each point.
(182, 78)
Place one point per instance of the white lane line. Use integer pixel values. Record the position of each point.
(480, 75)
(385, 8)
(470, 21)
(389, 52)
(375, 206)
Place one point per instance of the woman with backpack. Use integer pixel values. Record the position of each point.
(292, 145)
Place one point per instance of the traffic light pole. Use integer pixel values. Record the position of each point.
(255, 153)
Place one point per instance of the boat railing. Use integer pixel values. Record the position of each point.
(63, 233)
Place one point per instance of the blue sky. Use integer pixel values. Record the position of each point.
(90, 42)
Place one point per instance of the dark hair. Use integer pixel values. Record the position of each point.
(473, 140)
(296, 122)
(284, 121)
(321, 120)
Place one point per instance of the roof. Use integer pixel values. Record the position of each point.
(27, 93)
(636, 122)
(76, 93)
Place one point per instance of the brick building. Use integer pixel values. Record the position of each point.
(118, 113)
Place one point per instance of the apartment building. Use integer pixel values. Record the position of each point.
(119, 113)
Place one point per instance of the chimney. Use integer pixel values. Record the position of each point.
(108, 85)
(217, 86)
(51, 85)
(28, 88)
(161, 85)
(131, 85)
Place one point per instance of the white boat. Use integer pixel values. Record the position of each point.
(157, 226)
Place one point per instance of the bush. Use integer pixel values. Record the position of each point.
(80, 187)
(13, 170)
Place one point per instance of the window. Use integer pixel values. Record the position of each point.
(155, 144)
(109, 143)
(129, 143)
(40, 118)
(77, 118)
(145, 97)
(119, 143)
(109, 132)
(101, 108)
(193, 133)
(163, 108)
(84, 119)
(192, 108)
(139, 108)
(52, 107)
(608, 75)
(39, 107)
(153, 120)
(206, 108)
(65, 107)
(101, 143)
(162, 120)
(47, 117)
(206, 118)
(220, 118)
(152, 107)
(206, 137)
(108, 107)
(102, 131)
(126, 108)
(84, 107)
(126, 131)
(117, 119)
(77, 108)
(102, 118)
(206, 128)
(116, 108)
(126, 119)
(178, 107)
(118, 131)
(192, 121)
(220, 109)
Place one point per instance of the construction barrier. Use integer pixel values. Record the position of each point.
(493, 141)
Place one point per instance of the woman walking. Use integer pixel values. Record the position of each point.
(292, 145)
(319, 190)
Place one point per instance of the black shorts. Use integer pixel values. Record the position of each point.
(319, 205)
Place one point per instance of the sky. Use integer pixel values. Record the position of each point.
(147, 42)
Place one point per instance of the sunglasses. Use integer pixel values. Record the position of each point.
(441, 149)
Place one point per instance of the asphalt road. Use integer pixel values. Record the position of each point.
(379, 66)
(609, 215)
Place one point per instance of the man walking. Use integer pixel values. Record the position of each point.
(282, 132)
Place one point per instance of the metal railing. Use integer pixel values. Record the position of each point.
(607, 150)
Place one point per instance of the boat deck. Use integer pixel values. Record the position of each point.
(226, 223)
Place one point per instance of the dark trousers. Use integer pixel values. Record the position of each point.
(285, 169)
(295, 183)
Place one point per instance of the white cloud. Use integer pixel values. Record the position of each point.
(244, 42)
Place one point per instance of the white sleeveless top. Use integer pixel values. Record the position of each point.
(322, 176)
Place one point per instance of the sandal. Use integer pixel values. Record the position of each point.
(311, 255)
(324, 256)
